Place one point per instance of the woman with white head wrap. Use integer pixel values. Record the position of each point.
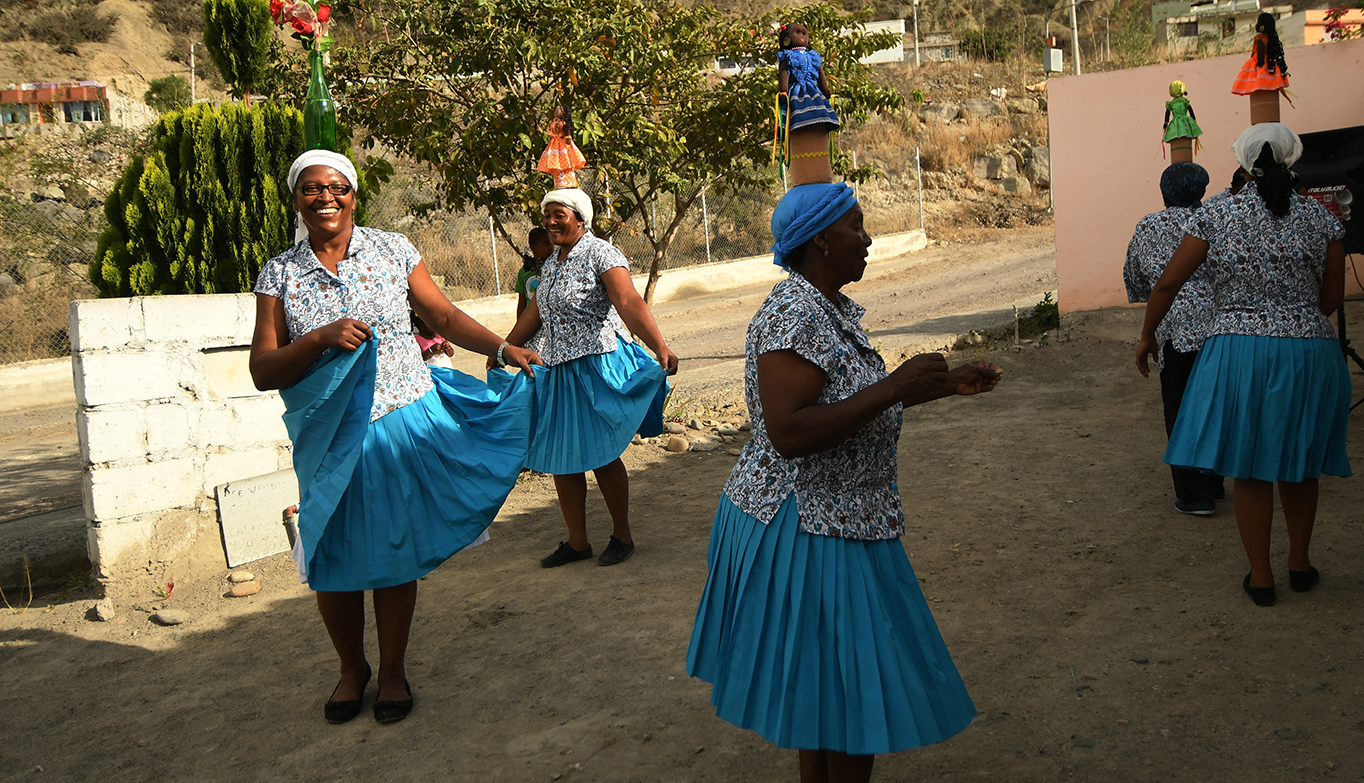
(1269, 397)
(600, 387)
(399, 465)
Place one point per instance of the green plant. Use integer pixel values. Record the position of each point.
(206, 207)
(63, 27)
(1044, 317)
(168, 93)
(985, 45)
(468, 86)
(238, 35)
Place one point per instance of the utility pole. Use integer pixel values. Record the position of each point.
(1075, 36)
(1108, 42)
(917, 61)
(191, 71)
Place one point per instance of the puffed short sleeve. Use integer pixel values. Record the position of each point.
(405, 253)
(794, 327)
(607, 256)
(270, 281)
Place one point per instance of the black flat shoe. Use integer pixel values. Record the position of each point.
(565, 554)
(342, 711)
(1262, 596)
(1302, 581)
(393, 711)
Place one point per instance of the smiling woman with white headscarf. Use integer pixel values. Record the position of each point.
(399, 465)
(1269, 396)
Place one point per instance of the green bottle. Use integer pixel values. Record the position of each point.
(319, 112)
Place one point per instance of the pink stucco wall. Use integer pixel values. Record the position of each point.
(1106, 152)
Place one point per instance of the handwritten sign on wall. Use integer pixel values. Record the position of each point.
(251, 514)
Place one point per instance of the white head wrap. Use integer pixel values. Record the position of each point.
(319, 158)
(1286, 146)
(573, 198)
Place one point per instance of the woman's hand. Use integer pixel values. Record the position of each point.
(921, 379)
(1145, 347)
(347, 334)
(519, 357)
(974, 378)
(668, 360)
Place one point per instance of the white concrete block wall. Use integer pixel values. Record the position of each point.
(166, 412)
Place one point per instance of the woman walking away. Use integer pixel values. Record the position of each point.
(1182, 332)
(399, 465)
(812, 629)
(1269, 398)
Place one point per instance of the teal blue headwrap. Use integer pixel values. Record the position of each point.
(804, 211)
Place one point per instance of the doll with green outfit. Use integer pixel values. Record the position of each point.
(1181, 126)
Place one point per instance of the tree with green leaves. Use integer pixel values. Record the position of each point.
(468, 86)
(238, 35)
(206, 207)
(167, 93)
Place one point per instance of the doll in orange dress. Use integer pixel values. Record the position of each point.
(1266, 68)
(562, 157)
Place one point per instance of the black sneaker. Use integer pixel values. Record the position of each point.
(565, 554)
(616, 551)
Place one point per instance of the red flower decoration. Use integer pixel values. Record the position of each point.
(303, 27)
(324, 13)
(276, 8)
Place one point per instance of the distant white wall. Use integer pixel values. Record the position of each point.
(166, 411)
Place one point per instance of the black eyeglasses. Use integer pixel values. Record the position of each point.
(314, 189)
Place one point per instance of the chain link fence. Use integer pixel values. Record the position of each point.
(46, 246)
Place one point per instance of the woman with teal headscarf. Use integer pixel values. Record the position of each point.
(812, 629)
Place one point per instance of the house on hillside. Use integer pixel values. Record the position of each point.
(60, 107)
(1309, 26)
(1185, 27)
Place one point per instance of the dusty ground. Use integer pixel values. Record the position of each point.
(1102, 635)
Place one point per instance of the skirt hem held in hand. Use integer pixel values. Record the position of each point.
(383, 503)
(1267, 408)
(821, 643)
(587, 410)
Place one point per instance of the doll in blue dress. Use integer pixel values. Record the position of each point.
(805, 118)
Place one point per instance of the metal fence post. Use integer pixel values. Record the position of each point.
(705, 224)
(492, 242)
(919, 175)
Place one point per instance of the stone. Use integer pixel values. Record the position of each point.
(1140, 659)
(994, 166)
(704, 444)
(734, 420)
(1021, 105)
(100, 156)
(636, 440)
(711, 423)
(1039, 167)
(1082, 742)
(734, 452)
(980, 108)
(237, 577)
(745, 427)
(727, 438)
(102, 611)
(244, 589)
(941, 112)
(695, 424)
(1019, 185)
(49, 193)
(674, 427)
(170, 617)
(677, 444)
(728, 430)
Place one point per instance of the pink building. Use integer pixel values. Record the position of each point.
(51, 104)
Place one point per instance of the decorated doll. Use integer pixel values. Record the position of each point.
(1265, 75)
(562, 157)
(805, 118)
(1181, 126)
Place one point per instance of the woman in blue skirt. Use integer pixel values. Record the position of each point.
(399, 465)
(1269, 397)
(812, 629)
(599, 385)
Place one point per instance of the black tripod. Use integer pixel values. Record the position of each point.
(1345, 348)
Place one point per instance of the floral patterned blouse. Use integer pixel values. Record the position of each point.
(370, 286)
(848, 491)
(574, 306)
(1153, 245)
(1267, 270)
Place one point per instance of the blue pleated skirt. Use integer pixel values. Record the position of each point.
(588, 409)
(383, 503)
(1267, 408)
(809, 108)
(821, 643)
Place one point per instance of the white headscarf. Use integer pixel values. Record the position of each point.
(1284, 143)
(573, 198)
(319, 158)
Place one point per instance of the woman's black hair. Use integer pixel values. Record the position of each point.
(1274, 51)
(1276, 184)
